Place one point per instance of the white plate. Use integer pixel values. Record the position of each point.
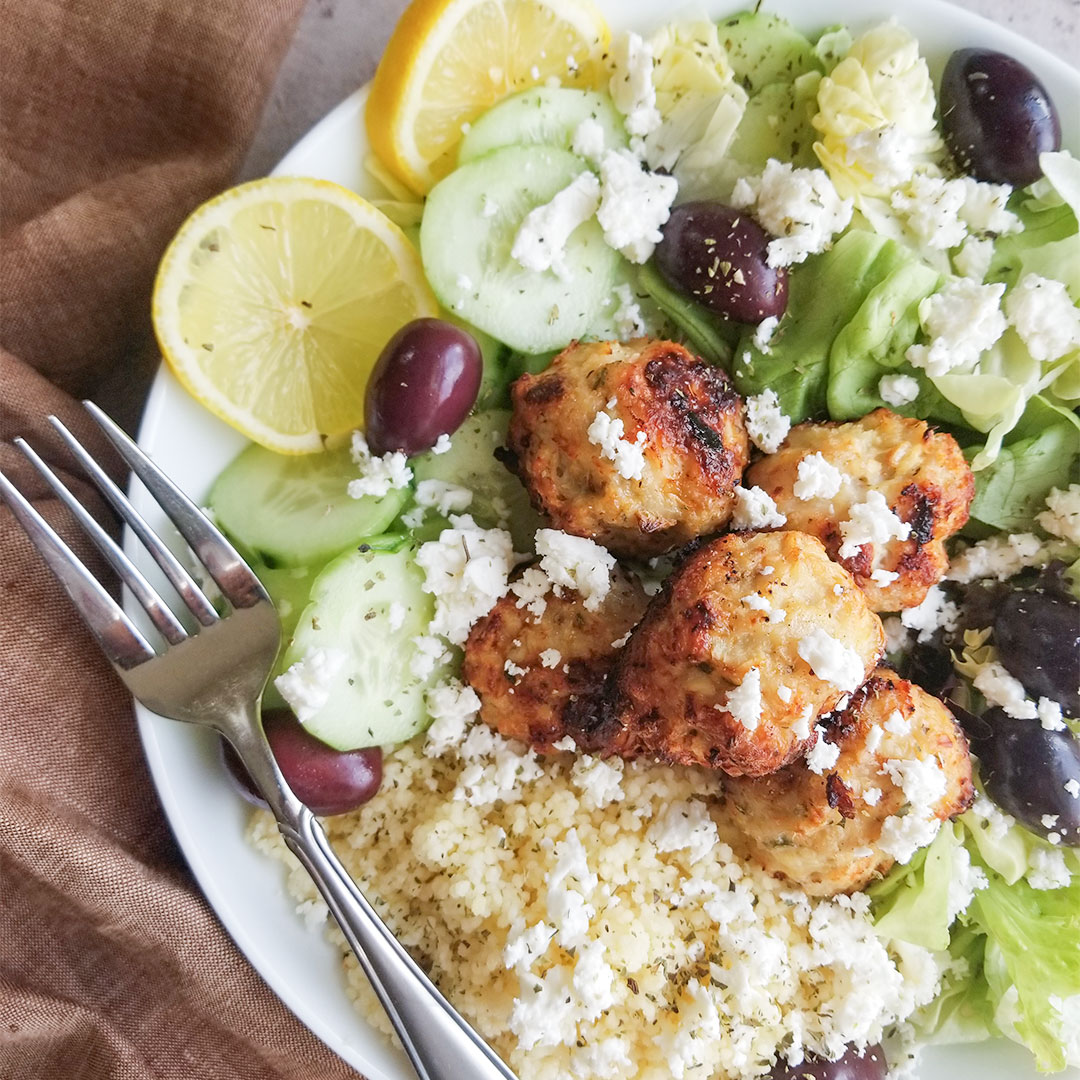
(246, 889)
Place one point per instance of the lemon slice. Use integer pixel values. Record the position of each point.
(273, 302)
(449, 60)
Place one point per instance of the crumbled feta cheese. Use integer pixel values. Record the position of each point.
(588, 141)
(631, 85)
(1047, 870)
(896, 634)
(886, 154)
(785, 693)
(767, 571)
(817, 478)
(453, 706)
(823, 755)
(395, 616)
(541, 240)
(550, 658)
(442, 444)
(743, 702)
(593, 981)
(619, 642)
(1043, 314)
(757, 602)
(428, 653)
(884, 578)
(871, 522)
(974, 258)
(800, 207)
(1050, 715)
(998, 557)
(606, 432)
(544, 1013)
(755, 509)
(766, 423)
(936, 612)
(531, 590)
(599, 781)
(685, 825)
(961, 320)
(801, 728)
(831, 660)
(1049, 820)
(525, 945)
(515, 671)
(1061, 517)
(634, 204)
(986, 812)
(306, 684)
(965, 882)
(923, 782)
(628, 319)
(604, 1059)
(443, 497)
(495, 769)
(764, 332)
(898, 390)
(378, 475)
(986, 207)
(931, 209)
(466, 570)
(897, 724)
(1072, 788)
(574, 562)
(999, 688)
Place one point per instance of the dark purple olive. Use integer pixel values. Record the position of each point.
(997, 117)
(716, 255)
(1037, 634)
(325, 780)
(422, 386)
(869, 1065)
(1024, 769)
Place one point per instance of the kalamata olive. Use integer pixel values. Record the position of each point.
(1037, 633)
(717, 254)
(422, 386)
(1025, 768)
(325, 780)
(997, 117)
(869, 1065)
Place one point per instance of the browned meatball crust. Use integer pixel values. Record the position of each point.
(542, 678)
(683, 413)
(824, 832)
(745, 602)
(921, 474)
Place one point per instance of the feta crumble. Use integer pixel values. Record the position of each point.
(898, 390)
(923, 782)
(306, 684)
(755, 509)
(634, 204)
(936, 612)
(744, 702)
(764, 332)
(628, 320)
(871, 522)
(379, 475)
(443, 497)
(886, 154)
(574, 562)
(817, 478)
(1061, 517)
(766, 423)
(606, 432)
(599, 781)
(1043, 314)
(800, 207)
(550, 658)
(442, 444)
(831, 660)
(999, 688)
(588, 140)
(453, 706)
(961, 320)
(930, 207)
(823, 755)
(685, 826)
(974, 258)
(998, 557)
(541, 240)
(1047, 870)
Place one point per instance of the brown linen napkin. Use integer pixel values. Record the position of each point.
(117, 117)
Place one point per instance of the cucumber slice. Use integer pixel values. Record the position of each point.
(765, 48)
(546, 116)
(296, 511)
(290, 589)
(373, 698)
(777, 124)
(467, 256)
(499, 499)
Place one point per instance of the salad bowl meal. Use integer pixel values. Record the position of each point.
(660, 443)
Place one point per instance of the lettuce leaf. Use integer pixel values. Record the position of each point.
(701, 330)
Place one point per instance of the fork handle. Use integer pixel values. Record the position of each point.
(438, 1041)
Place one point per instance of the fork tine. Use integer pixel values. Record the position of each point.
(163, 619)
(234, 577)
(121, 642)
(173, 569)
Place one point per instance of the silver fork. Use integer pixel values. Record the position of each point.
(214, 676)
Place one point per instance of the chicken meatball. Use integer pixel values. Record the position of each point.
(901, 767)
(902, 491)
(752, 637)
(637, 446)
(542, 677)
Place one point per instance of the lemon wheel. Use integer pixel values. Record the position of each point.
(450, 60)
(273, 302)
